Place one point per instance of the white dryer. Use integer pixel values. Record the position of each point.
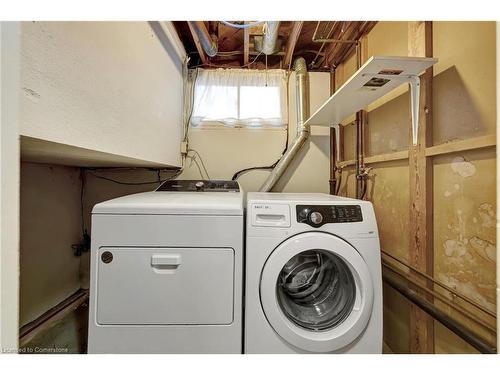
(167, 270)
(313, 275)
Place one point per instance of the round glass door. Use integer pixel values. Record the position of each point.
(316, 290)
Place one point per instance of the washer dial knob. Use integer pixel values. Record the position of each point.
(199, 185)
(316, 218)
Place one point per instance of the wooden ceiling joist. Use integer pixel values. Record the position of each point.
(336, 53)
(335, 49)
(291, 43)
(317, 42)
(197, 43)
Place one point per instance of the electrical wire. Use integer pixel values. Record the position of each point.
(191, 104)
(242, 26)
(237, 174)
(135, 183)
(364, 189)
(240, 172)
(337, 190)
(82, 190)
(202, 163)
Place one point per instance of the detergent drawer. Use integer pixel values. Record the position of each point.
(164, 286)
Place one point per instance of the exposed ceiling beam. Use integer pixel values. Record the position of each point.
(197, 43)
(338, 52)
(333, 50)
(246, 46)
(292, 41)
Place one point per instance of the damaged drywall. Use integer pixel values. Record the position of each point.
(465, 215)
(463, 183)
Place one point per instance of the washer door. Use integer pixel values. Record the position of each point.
(316, 292)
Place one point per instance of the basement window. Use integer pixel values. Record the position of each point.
(240, 98)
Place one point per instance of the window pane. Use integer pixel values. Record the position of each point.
(260, 102)
(216, 102)
(240, 97)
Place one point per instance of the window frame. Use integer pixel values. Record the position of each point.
(240, 125)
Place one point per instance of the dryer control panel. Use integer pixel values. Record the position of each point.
(317, 215)
(200, 186)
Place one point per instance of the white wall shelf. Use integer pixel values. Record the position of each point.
(376, 78)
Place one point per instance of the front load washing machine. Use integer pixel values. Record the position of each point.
(313, 275)
(166, 270)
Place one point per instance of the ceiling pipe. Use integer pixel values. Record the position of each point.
(270, 37)
(302, 103)
(208, 44)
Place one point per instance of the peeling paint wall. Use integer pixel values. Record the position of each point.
(464, 183)
(465, 226)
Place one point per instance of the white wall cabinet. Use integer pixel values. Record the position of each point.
(100, 94)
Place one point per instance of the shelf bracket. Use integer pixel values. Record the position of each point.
(414, 82)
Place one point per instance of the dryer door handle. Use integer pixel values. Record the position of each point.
(166, 261)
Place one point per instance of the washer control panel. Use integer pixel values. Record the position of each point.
(317, 215)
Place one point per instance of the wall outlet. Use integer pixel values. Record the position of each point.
(184, 147)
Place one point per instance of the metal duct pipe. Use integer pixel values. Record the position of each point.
(270, 37)
(302, 103)
(208, 44)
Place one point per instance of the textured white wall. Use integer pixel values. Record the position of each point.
(113, 87)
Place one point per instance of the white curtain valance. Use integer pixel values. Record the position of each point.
(240, 98)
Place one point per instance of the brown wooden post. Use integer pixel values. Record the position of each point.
(420, 171)
(246, 46)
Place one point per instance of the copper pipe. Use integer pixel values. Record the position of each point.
(337, 47)
(332, 30)
(335, 41)
(360, 163)
(441, 298)
(442, 285)
(339, 50)
(314, 40)
(333, 144)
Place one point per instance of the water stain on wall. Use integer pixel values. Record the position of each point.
(465, 217)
